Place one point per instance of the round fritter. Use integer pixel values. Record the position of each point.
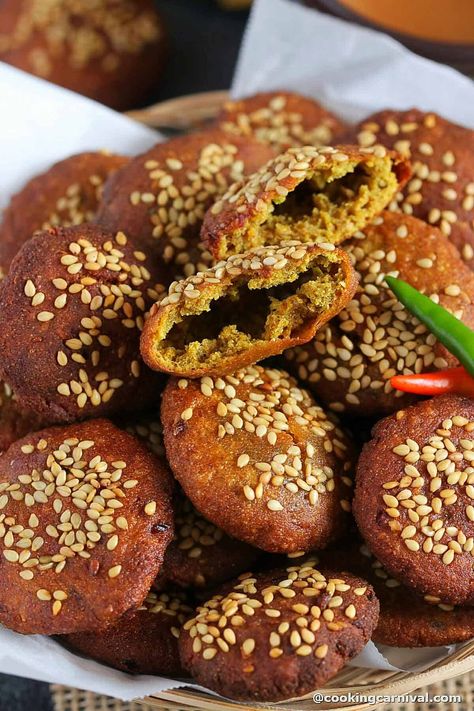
(76, 299)
(259, 458)
(143, 641)
(441, 190)
(280, 119)
(349, 363)
(15, 421)
(278, 635)
(85, 518)
(161, 196)
(200, 554)
(66, 194)
(406, 619)
(307, 194)
(109, 50)
(414, 497)
(252, 306)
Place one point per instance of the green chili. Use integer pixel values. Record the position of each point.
(450, 331)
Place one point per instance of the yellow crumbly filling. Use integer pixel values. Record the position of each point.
(226, 322)
(329, 207)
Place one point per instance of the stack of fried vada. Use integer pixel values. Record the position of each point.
(200, 334)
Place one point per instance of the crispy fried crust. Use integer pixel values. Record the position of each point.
(349, 363)
(161, 196)
(200, 554)
(441, 190)
(144, 641)
(406, 619)
(85, 520)
(291, 631)
(112, 51)
(413, 501)
(309, 194)
(280, 119)
(250, 307)
(259, 458)
(66, 194)
(76, 299)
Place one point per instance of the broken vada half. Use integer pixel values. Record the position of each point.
(252, 306)
(308, 194)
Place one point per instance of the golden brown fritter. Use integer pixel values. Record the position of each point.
(110, 50)
(441, 190)
(278, 635)
(250, 307)
(406, 619)
(161, 196)
(349, 363)
(85, 518)
(259, 458)
(307, 194)
(76, 299)
(280, 119)
(143, 641)
(200, 554)
(414, 492)
(66, 194)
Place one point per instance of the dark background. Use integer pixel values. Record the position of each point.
(204, 43)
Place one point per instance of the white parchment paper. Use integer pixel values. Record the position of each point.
(351, 70)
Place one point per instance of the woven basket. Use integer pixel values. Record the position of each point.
(185, 113)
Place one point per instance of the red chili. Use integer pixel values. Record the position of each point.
(452, 380)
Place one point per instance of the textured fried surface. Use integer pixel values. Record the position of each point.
(406, 619)
(441, 190)
(162, 195)
(200, 554)
(414, 492)
(248, 308)
(144, 641)
(85, 518)
(109, 50)
(281, 120)
(15, 421)
(76, 299)
(309, 194)
(66, 194)
(259, 458)
(283, 633)
(349, 363)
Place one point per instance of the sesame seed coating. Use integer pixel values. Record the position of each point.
(246, 308)
(109, 50)
(161, 196)
(309, 194)
(350, 361)
(78, 357)
(441, 189)
(281, 120)
(406, 618)
(413, 501)
(76, 548)
(66, 194)
(259, 458)
(143, 641)
(278, 635)
(201, 554)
